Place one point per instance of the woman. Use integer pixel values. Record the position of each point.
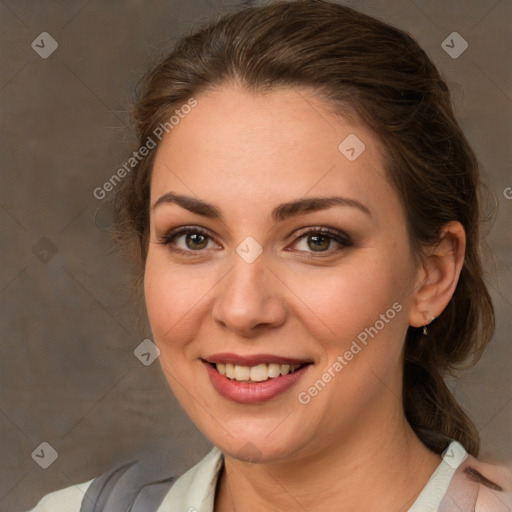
(305, 219)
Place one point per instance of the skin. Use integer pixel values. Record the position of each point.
(350, 448)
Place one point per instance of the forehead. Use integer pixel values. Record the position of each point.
(260, 149)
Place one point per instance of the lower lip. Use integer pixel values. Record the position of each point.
(256, 392)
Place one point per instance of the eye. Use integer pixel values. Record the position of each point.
(321, 240)
(192, 241)
(188, 240)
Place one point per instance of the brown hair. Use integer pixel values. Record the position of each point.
(361, 65)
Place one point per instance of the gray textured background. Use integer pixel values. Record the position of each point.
(68, 375)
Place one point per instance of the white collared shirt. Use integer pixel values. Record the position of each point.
(194, 491)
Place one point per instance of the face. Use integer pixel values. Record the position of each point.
(277, 247)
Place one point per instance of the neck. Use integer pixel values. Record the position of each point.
(383, 468)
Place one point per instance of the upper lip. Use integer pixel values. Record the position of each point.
(253, 360)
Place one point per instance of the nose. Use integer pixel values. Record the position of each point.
(250, 299)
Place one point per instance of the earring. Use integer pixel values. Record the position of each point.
(425, 330)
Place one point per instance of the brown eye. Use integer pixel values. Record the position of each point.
(319, 242)
(196, 241)
(188, 241)
(322, 241)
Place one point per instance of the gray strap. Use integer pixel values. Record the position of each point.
(150, 497)
(101, 488)
(134, 487)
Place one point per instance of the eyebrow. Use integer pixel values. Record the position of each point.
(279, 213)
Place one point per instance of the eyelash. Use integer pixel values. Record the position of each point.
(334, 235)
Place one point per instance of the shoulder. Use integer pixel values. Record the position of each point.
(65, 500)
(479, 486)
(141, 484)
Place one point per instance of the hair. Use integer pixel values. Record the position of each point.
(358, 65)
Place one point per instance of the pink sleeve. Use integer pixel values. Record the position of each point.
(479, 487)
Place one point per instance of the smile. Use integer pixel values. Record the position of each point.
(258, 373)
(254, 379)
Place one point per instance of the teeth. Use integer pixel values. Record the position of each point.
(259, 373)
(242, 372)
(230, 371)
(274, 370)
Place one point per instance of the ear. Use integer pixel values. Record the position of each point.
(438, 275)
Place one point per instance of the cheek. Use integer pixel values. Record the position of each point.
(340, 303)
(360, 324)
(173, 300)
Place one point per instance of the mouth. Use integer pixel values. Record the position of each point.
(258, 373)
(254, 379)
